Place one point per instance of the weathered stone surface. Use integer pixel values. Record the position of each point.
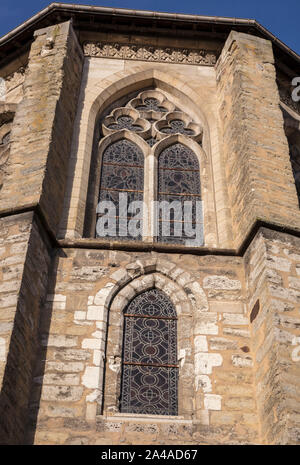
(239, 361)
(221, 282)
(62, 393)
(62, 303)
(221, 343)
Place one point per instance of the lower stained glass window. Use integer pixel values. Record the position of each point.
(150, 369)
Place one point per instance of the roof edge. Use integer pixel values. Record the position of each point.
(145, 14)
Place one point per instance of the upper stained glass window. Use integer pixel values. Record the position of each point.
(149, 368)
(152, 117)
(179, 181)
(123, 173)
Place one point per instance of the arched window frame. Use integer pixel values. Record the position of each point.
(98, 97)
(204, 174)
(104, 143)
(114, 349)
(138, 362)
(151, 155)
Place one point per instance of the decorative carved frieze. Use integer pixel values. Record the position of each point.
(150, 53)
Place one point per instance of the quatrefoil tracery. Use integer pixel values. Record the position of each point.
(126, 118)
(151, 100)
(153, 117)
(177, 122)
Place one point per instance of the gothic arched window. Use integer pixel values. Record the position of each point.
(150, 120)
(179, 185)
(149, 365)
(122, 182)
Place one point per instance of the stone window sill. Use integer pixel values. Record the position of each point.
(143, 417)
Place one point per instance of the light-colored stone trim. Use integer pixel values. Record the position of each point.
(115, 338)
(191, 306)
(111, 89)
(134, 114)
(150, 53)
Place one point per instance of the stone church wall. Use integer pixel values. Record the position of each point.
(214, 349)
(61, 301)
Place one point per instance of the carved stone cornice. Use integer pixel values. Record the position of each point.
(150, 53)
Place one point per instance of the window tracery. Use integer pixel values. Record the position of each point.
(153, 118)
(122, 172)
(178, 181)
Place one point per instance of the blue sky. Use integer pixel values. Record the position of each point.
(281, 17)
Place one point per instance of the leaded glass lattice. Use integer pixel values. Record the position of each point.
(123, 173)
(179, 181)
(149, 369)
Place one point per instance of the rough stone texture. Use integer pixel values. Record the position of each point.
(36, 173)
(24, 268)
(274, 335)
(43, 124)
(75, 348)
(61, 304)
(262, 186)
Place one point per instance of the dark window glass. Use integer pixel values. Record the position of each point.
(123, 173)
(179, 181)
(150, 370)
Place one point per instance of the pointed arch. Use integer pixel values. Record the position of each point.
(189, 301)
(114, 351)
(105, 145)
(110, 89)
(201, 171)
(149, 377)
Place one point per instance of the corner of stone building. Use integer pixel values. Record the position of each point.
(43, 124)
(253, 132)
(271, 265)
(34, 181)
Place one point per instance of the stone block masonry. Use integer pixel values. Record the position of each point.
(256, 155)
(43, 125)
(24, 266)
(216, 361)
(62, 302)
(36, 174)
(242, 366)
(271, 266)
